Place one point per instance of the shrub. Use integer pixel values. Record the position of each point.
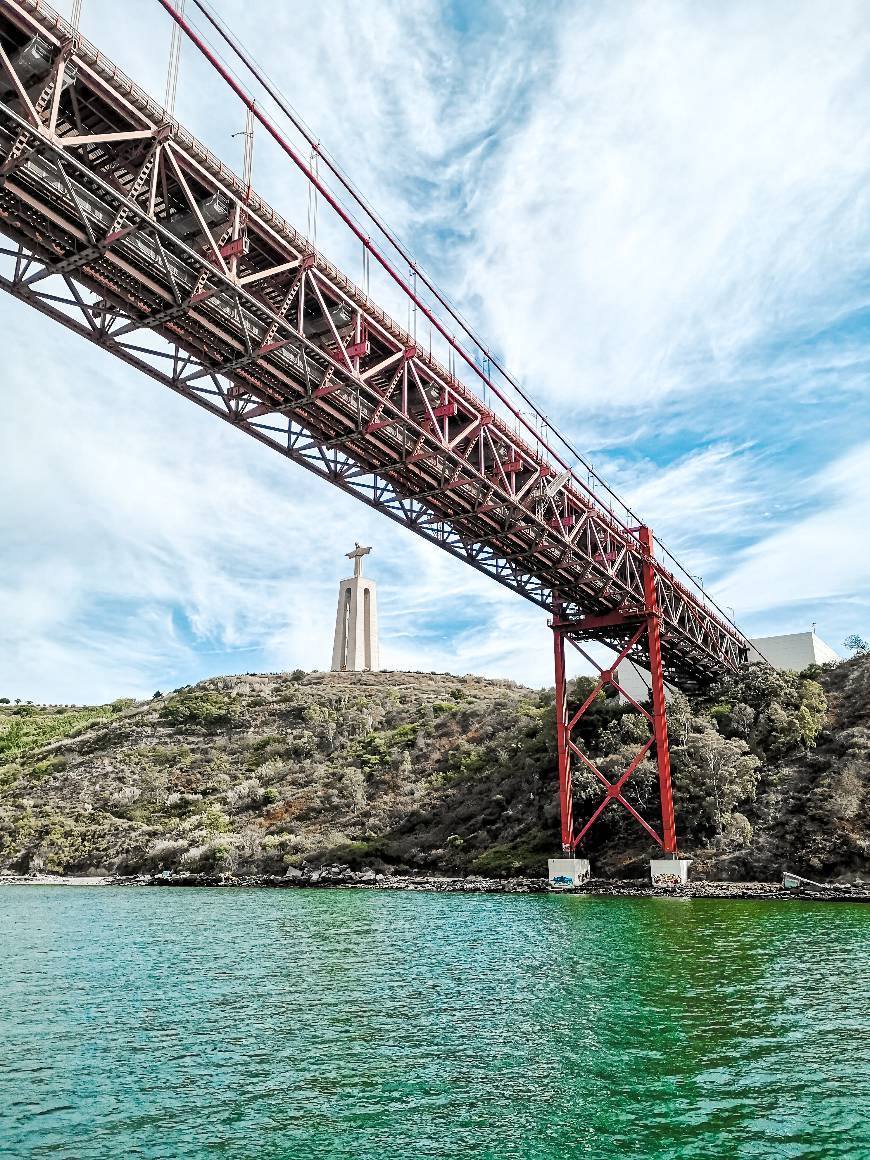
(166, 853)
(377, 749)
(193, 858)
(32, 731)
(245, 795)
(467, 762)
(9, 775)
(125, 797)
(354, 786)
(201, 710)
(165, 755)
(525, 856)
(213, 820)
(266, 749)
(121, 704)
(47, 767)
(372, 851)
(11, 740)
(302, 745)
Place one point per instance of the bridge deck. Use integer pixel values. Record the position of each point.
(126, 229)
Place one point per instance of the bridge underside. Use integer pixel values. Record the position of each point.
(125, 229)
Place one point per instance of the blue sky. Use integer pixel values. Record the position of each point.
(656, 212)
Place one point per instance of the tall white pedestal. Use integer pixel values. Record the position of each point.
(355, 646)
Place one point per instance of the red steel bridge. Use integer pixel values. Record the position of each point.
(116, 222)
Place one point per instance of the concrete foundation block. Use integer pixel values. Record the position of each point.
(564, 873)
(669, 871)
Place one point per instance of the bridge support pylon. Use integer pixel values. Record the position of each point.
(631, 627)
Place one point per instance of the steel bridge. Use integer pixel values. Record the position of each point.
(123, 227)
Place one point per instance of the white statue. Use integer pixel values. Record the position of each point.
(357, 556)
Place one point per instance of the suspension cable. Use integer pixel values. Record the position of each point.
(172, 70)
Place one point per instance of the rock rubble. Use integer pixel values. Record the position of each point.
(339, 876)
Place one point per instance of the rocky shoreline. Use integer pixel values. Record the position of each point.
(340, 877)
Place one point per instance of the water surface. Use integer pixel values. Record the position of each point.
(305, 1024)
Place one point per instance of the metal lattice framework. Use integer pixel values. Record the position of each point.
(128, 231)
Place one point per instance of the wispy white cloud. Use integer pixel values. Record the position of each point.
(711, 490)
(691, 182)
(821, 558)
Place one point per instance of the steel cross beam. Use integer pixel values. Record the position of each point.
(645, 623)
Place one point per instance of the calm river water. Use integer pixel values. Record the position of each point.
(303, 1024)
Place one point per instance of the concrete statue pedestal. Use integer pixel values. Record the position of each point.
(355, 647)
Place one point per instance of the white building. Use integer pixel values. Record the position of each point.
(793, 650)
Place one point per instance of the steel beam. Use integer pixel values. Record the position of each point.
(635, 624)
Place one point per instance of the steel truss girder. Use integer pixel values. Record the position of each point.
(361, 406)
(295, 444)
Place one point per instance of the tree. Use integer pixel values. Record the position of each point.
(742, 719)
(856, 644)
(713, 775)
(679, 719)
(776, 712)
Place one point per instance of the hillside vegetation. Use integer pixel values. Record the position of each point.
(407, 771)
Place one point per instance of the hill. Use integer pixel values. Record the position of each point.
(411, 771)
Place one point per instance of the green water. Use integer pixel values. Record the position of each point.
(306, 1024)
